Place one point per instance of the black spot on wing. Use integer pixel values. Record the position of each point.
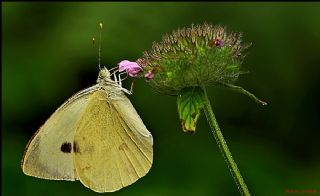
(66, 147)
(76, 147)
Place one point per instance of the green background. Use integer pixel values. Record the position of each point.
(48, 56)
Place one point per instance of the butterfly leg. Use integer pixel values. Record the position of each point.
(115, 77)
(114, 69)
(113, 72)
(121, 79)
(132, 84)
(118, 80)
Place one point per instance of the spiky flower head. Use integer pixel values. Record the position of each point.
(194, 56)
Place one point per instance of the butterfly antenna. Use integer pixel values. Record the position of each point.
(93, 41)
(100, 38)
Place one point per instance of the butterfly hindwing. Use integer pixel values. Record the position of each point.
(110, 152)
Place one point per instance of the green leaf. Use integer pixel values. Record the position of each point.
(190, 103)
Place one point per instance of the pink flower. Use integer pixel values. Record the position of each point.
(132, 68)
(218, 42)
(149, 75)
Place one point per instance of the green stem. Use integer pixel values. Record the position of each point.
(243, 91)
(223, 146)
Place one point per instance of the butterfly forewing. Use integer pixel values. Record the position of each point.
(49, 153)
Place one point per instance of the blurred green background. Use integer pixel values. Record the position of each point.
(48, 56)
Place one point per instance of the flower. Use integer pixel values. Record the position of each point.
(149, 75)
(132, 68)
(218, 42)
(200, 55)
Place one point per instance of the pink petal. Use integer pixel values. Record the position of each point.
(132, 68)
(123, 65)
(133, 71)
(149, 75)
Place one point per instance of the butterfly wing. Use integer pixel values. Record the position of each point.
(110, 151)
(49, 152)
(131, 118)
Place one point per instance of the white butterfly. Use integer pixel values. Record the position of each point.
(96, 137)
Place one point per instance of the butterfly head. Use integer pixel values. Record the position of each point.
(104, 76)
(106, 82)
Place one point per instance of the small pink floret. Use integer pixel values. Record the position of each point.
(149, 75)
(218, 42)
(132, 68)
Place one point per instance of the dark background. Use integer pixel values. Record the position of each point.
(48, 56)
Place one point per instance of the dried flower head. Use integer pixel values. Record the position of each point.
(195, 56)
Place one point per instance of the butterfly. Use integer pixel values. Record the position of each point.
(96, 137)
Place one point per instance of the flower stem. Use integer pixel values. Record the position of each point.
(243, 91)
(223, 146)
